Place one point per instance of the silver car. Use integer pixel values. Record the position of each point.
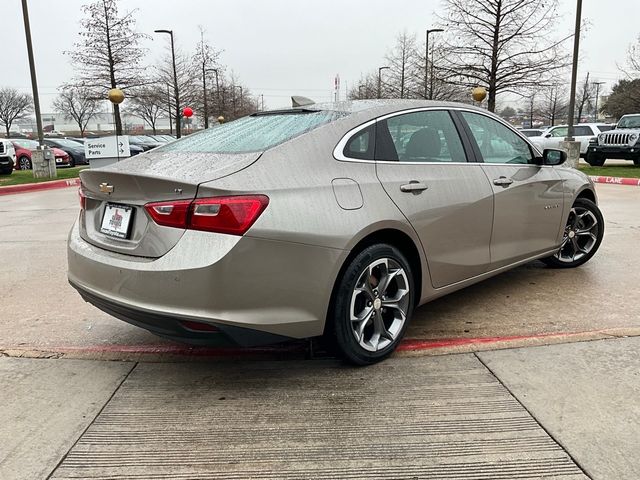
(330, 219)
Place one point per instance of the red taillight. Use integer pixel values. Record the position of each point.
(231, 215)
(82, 198)
(169, 214)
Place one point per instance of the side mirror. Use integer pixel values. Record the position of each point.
(552, 156)
(548, 135)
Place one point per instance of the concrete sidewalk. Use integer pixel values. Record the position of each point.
(562, 411)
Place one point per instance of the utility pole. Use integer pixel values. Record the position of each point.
(175, 82)
(597, 84)
(215, 70)
(32, 70)
(380, 79)
(426, 65)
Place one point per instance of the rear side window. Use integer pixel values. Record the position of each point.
(426, 136)
(582, 131)
(255, 133)
(361, 145)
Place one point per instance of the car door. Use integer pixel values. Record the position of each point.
(583, 134)
(422, 164)
(528, 197)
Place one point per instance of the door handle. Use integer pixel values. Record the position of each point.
(413, 186)
(502, 181)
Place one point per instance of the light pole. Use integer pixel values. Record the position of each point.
(169, 109)
(32, 70)
(175, 82)
(380, 79)
(597, 84)
(426, 64)
(574, 72)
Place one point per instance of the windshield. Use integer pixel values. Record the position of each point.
(254, 133)
(26, 143)
(629, 121)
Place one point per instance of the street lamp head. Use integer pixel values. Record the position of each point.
(170, 32)
(433, 30)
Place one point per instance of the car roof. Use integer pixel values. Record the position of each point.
(376, 107)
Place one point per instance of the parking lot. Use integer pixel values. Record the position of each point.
(553, 411)
(43, 315)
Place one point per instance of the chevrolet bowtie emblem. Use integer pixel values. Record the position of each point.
(106, 188)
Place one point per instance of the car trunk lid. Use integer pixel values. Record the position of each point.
(114, 217)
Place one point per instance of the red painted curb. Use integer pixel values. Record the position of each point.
(194, 351)
(33, 187)
(635, 182)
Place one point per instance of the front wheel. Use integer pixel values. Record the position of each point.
(373, 304)
(582, 236)
(636, 161)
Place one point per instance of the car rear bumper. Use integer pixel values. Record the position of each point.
(240, 285)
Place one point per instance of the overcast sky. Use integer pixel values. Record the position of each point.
(283, 47)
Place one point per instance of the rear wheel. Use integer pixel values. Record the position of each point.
(582, 236)
(373, 305)
(636, 161)
(24, 163)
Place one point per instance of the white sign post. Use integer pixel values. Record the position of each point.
(106, 150)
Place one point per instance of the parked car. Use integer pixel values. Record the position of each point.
(583, 133)
(143, 141)
(23, 154)
(622, 142)
(73, 148)
(532, 132)
(7, 156)
(324, 220)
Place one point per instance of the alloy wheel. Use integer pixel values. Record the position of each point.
(379, 304)
(25, 163)
(580, 235)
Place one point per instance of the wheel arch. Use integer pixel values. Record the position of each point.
(588, 194)
(397, 238)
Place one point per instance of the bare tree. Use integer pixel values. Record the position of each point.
(554, 103)
(624, 98)
(78, 104)
(632, 68)
(584, 97)
(205, 58)
(187, 75)
(108, 54)
(13, 106)
(149, 103)
(503, 45)
(402, 62)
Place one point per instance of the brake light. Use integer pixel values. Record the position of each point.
(231, 215)
(169, 214)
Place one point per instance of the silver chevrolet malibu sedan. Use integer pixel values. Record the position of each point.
(328, 219)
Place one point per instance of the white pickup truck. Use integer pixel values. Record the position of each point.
(7, 156)
(582, 132)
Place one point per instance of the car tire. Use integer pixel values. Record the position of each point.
(6, 171)
(582, 236)
(595, 160)
(24, 163)
(636, 161)
(373, 304)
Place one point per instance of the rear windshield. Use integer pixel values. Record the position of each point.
(255, 133)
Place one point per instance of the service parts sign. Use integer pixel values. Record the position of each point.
(107, 147)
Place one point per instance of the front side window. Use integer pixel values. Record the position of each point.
(254, 133)
(427, 136)
(497, 143)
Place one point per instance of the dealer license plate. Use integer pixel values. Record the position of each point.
(116, 220)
